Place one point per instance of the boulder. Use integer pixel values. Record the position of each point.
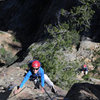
(84, 91)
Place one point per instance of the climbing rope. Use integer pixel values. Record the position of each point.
(17, 93)
(48, 94)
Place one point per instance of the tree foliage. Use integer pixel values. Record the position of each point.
(71, 23)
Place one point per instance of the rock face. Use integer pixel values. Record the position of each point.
(8, 43)
(11, 77)
(84, 91)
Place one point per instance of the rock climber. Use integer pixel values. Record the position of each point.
(84, 69)
(36, 71)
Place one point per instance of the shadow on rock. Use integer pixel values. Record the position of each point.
(84, 91)
(2, 64)
(4, 93)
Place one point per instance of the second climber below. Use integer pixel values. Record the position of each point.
(85, 69)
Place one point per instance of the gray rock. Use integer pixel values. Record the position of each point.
(84, 91)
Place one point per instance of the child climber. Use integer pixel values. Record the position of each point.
(85, 69)
(35, 72)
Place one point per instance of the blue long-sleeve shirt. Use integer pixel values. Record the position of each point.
(39, 73)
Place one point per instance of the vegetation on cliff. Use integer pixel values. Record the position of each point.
(71, 26)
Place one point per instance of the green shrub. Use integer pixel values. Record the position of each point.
(25, 66)
(15, 40)
(61, 37)
(77, 20)
(96, 63)
(2, 32)
(86, 77)
(7, 57)
(55, 64)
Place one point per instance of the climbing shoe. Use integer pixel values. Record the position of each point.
(53, 89)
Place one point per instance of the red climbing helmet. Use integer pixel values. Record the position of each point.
(84, 65)
(36, 63)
